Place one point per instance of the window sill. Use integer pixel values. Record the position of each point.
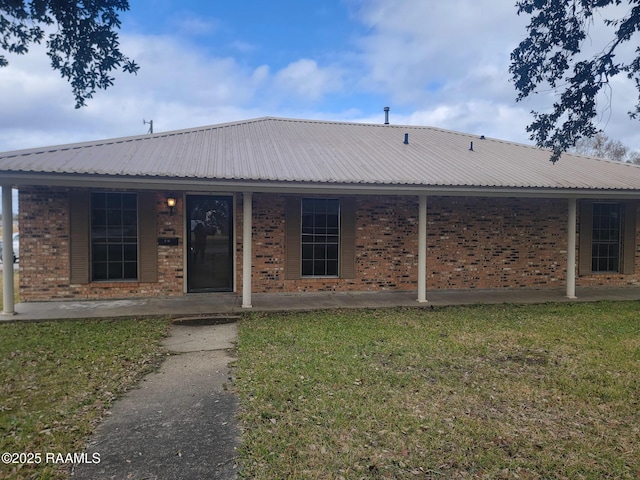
(113, 283)
(318, 277)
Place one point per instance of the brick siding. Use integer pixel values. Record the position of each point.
(478, 242)
(472, 242)
(44, 245)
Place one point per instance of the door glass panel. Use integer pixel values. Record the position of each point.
(209, 243)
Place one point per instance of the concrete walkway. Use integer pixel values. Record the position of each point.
(180, 423)
(226, 303)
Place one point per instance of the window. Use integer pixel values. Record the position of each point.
(341, 264)
(320, 228)
(606, 237)
(114, 236)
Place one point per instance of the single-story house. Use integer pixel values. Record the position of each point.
(282, 205)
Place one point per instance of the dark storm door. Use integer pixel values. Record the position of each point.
(209, 243)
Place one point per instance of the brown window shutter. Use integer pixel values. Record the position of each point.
(292, 267)
(79, 220)
(629, 239)
(348, 237)
(147, 246)
(586, 234)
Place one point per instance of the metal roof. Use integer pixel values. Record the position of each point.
(327, 153)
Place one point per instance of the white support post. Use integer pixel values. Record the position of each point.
(571, 249)
(7, 252)
(422, 249)
(247, 213)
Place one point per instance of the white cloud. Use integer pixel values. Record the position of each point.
(36, 102)
(261, 74)
(614, 103)
(306, 80)
(413, 44)
(178, 86)
(243, 47)
(447, 63)
(443, 64)
(480, 117)
(190, 24)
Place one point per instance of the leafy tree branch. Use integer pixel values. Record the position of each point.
(84, 47)
(552, 58)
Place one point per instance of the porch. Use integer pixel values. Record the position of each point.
(229, 303)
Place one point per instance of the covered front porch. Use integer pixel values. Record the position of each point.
(248, 297)
(217, 304)
(433, 297)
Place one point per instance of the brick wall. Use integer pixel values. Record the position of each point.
(496, 242)
(386, 246)
(472, 243)
(170, 258)
(44, 246)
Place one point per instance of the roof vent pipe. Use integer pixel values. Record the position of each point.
(386, 115)
(406, 139)
(471, 147)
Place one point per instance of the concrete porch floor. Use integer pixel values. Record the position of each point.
(231, 303)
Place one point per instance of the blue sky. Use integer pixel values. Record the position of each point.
(254, 32)
(436, 63)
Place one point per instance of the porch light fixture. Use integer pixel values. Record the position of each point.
(171, 202)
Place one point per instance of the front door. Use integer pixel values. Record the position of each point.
(209, 243)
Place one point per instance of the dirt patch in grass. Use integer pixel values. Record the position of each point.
(57, 380)
(549, 391)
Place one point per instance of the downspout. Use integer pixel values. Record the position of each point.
(7, 252)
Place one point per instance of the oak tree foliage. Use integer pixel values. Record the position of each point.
(81, 39)
(559, 55)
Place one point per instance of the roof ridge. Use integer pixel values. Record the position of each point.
(130, 138)
(237, 123)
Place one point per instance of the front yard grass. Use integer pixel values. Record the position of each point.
(528, 392)
(57, 379)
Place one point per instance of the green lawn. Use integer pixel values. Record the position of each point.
(529, 392)
(548, 391)
(58, 378)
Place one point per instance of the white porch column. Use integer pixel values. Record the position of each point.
(7, 251)
(247, 213)
(422, 249)
(571, 250)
